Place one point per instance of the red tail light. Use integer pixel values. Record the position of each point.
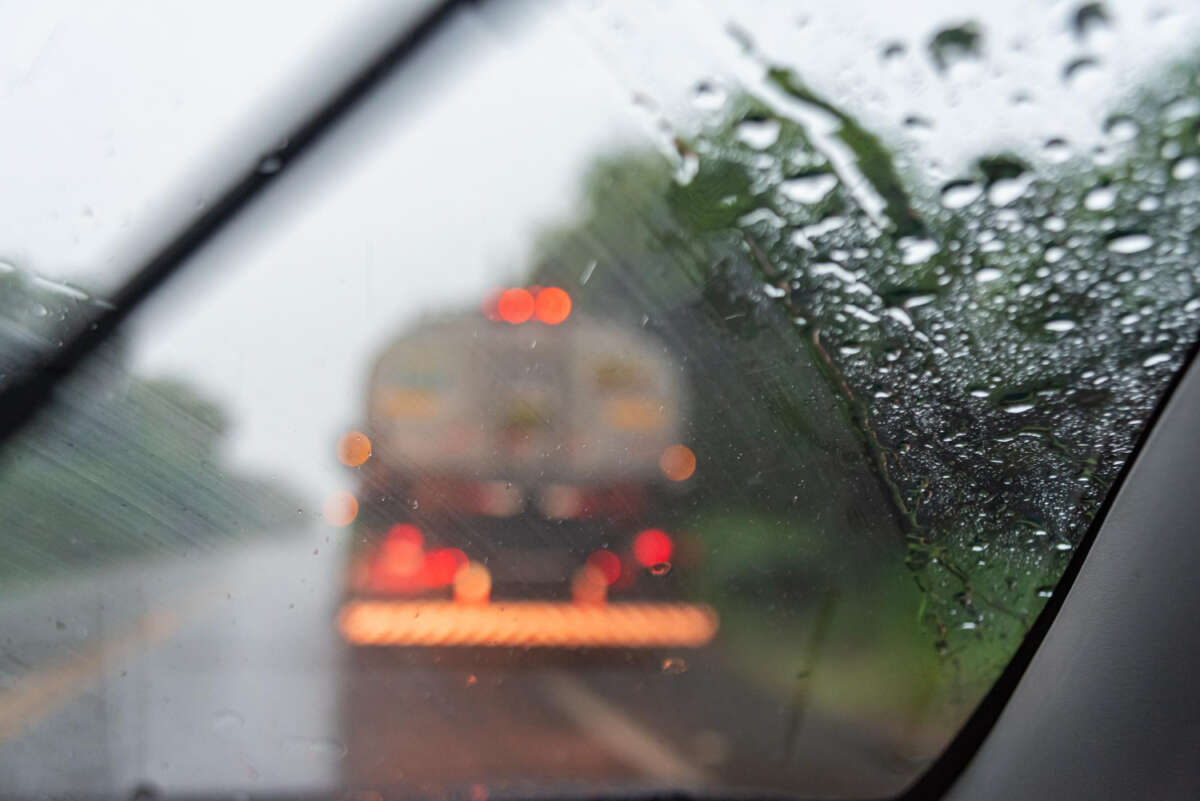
(652, 547)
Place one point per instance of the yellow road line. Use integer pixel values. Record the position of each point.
(43, 691)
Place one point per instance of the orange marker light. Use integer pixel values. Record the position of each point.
(353, 448)
(472, 584)
(652, 547)
(552, 305)
(589, 586)
(677, 463)
(528, 624)
(340, 509)
(515, 305)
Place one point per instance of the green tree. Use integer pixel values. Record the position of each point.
(965, 367)
(117, 465)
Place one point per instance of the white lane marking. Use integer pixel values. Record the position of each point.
(620, 735)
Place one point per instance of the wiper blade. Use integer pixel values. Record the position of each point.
(25, 392)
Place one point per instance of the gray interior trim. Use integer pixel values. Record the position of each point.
(1110, 704)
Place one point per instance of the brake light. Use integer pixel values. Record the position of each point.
(552, 305)
(515, 305)
(607, 564)
(652, 547)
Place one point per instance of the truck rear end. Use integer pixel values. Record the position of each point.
(518, 488)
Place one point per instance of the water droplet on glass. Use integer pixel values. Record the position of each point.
(1129, 243)
(915, 250)
(1186, 168)
(674, 665)
(1006, 190)
(758, 133)
(1089, 19)
(951, 46)
(1157, 358)
(660, 569)
(708, 96)
(1101, 198)
(1018, 408)
(809, 189)
(1081, 71)
(957, 194)
(1056, 150)
(1121, 128)
(987, 275)
(917, 123)
(1060, 326)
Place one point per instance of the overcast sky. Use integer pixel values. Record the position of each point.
(429, 197)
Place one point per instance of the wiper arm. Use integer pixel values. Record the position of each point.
(32, 386)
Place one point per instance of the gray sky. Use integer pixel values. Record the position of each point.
(430, 196)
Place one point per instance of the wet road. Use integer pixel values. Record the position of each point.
(223, 672)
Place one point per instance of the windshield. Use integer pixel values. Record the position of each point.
(616, 400)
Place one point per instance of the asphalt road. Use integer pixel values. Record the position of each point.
(222, 672)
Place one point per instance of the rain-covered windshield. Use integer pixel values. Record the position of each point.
(619, 399)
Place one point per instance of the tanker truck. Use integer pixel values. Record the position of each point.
(521, 473)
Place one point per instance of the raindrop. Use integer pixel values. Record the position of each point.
(660, 569)
(1182, 109)
(987, 275)
(1121, 128)
(674, 665)
(1018, 408)
(1129, 242)
(1045, 592)
(1056, 150)
(708, 96)
(1062, 546)
(950, 46)
(1088, 19)
(917, 123)
(1186, 168)
(1080, 70)
(1100, 198)
(1060, 326)
(1006, 190)
(917, 249)
(957, 194)
(809, 189)
(1157, 358)
(414, 504)
(758, 133)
